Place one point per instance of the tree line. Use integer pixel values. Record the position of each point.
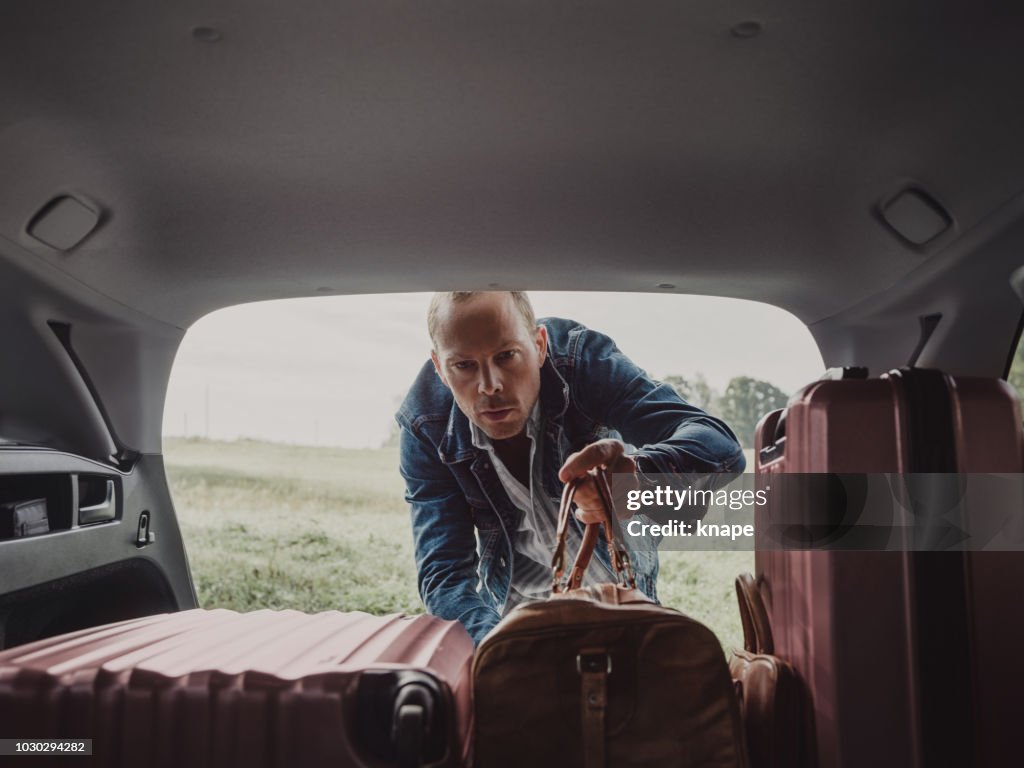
(1016, 377)
(741, 405)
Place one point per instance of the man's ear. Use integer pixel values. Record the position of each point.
(542, 343)
(437, 367)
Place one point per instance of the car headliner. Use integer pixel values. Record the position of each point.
(352, 147)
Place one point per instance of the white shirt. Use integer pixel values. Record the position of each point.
(533, 542)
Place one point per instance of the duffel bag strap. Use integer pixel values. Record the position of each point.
(613, 532)
(593, 665)
(757, 629)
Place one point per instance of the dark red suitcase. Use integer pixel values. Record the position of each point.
(267, 688)
(906, 655)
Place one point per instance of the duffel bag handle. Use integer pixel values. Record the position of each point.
(757, 629)
(613, 535)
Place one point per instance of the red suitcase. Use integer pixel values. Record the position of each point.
(907, 656)
(267, 688)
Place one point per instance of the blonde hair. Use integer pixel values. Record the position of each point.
(519, 298)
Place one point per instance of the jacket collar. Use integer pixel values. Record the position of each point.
(457, 444)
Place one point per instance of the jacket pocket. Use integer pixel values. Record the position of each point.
(484, 517)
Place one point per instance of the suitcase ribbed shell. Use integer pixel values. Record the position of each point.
(219, 688)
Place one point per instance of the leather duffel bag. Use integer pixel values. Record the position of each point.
(603, 676)
(771, 697)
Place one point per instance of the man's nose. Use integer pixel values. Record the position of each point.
(490, 381)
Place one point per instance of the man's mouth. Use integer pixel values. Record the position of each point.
(497, 414)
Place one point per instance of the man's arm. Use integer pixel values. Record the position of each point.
(443, 539)
(671, 434)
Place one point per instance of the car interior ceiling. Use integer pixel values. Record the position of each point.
(496, 145)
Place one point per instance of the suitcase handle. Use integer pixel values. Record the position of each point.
(613, 535)
(412, 718)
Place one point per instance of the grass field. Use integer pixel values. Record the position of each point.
(276, 526)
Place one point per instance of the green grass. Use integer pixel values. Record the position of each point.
(276, 526)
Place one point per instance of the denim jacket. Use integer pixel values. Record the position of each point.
(462, 518)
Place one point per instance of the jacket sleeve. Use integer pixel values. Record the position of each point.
(673, 435)
(444, 541)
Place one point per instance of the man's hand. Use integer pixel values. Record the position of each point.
(610, 454)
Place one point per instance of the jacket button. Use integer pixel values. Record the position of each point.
(502, 561)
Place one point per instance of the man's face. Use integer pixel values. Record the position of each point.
(491, 362)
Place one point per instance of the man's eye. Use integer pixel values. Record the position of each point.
(508, 354)
(463, 365)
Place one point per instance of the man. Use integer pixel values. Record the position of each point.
(504, 413)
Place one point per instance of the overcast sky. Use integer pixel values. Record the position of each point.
(331, 371)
